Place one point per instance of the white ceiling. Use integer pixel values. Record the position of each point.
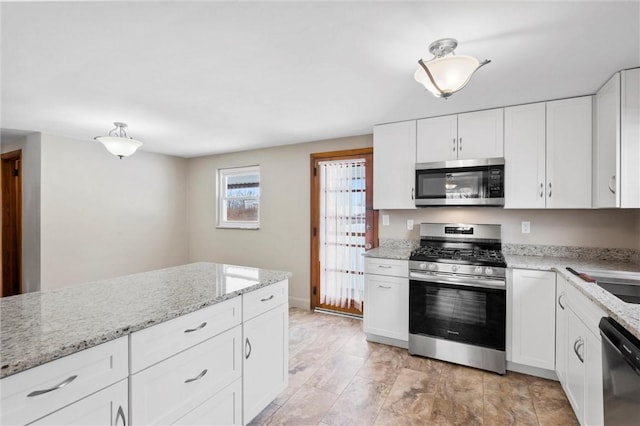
(196, 78)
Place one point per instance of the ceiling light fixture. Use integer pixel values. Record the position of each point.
(444, 75)
(118, 143)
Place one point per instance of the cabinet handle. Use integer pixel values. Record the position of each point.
(267, 299)
(247, 345)
(384, 286)
(200, 327)
(121, 415)
(412, 192)
(459, 144)
(198, 377)
(541, 189)
(560, 301)
(612, 188)
(549, 189)
(454, 144)
(577, 345)
(385, 266)
(56, 387)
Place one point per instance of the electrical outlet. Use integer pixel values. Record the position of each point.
(385, 220)
(526, 227)
(409, 224)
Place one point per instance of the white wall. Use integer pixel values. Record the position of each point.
(282, 242)
(103, 217)
(614, 228)
(30, 147)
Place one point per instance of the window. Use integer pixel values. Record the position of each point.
(239, 197)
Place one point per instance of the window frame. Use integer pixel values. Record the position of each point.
(221, 198)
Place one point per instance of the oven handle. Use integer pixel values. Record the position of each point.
(463, 282)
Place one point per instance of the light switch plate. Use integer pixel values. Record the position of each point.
(409, 224)
(385, 220)
(526, 227)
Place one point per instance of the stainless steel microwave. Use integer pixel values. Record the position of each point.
(460, 183)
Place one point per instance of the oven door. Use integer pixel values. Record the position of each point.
(469, 314)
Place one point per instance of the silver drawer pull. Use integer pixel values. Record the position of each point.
(384, 286)
(198, 377)
(56, 387)
(385, 266)
(267, 299)
(120, 414)
(200, 327)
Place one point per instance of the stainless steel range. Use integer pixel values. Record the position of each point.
(457, 295)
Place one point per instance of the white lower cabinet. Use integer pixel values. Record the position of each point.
(265, 359)
(579, 357)
(386, 301)
(106, 407)
(531, 318)
(224, 408)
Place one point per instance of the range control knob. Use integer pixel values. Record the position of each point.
(423, 266)
(433, 267)
(478, 270)
(454, 268)
(489, 270)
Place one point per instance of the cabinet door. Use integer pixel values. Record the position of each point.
(532, 302)
(630, 140)
(386, 301)
(562, 331)
(107, 407)
(569, 153)
(224, 408)
(437, 139)
(481, 134)
(265, 360)
(606, 144)
(524, 155)
(394, 164)
(576, 368)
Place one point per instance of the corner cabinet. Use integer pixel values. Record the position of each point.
(616, 142)
(394, 164)
(471, 135)
(548, 154)
(531, 324)
(386, 301)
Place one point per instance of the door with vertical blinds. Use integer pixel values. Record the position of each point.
(343, 230)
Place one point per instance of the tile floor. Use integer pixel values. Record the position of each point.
(336, 377)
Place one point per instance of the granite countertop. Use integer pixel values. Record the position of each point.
(627, 314)
(398, 253)
(40, 327)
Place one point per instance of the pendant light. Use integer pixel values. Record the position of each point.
(118, 143)
(447, 72)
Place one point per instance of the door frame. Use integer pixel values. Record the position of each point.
(314, 238)
(11, 171)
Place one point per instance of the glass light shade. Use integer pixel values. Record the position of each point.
(451, 73)
(121, 147)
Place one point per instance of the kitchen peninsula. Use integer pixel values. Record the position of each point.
(73, 346)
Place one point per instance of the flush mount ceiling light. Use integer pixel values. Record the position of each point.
(118, 143)
(447, 72)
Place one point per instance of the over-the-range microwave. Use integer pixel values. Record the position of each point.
(460, 183)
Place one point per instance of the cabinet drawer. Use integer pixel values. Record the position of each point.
(169, 390)
(63, 381)
(264, 299)
(390, 267)
(153, 344)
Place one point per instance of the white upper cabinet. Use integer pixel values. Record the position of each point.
(548, 155)
(569, 141)
(394, 164)
(460, 137)
(437, 139)
(616, 144)
(525, 156)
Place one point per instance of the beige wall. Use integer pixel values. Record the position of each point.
(619, 228)
(282, 242)
(103, 217)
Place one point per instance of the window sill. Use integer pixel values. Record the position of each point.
(247, 228)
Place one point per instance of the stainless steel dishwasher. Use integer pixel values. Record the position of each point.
(620, 373)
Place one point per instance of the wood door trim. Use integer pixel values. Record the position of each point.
(314, 225)
(11, 222)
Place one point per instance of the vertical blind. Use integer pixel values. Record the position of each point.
(342, 232)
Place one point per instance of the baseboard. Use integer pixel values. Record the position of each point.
(532, 371)
(298, 302)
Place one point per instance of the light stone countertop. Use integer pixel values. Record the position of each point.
(398, 253)
(39, 327)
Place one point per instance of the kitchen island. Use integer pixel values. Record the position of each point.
(178, 310)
